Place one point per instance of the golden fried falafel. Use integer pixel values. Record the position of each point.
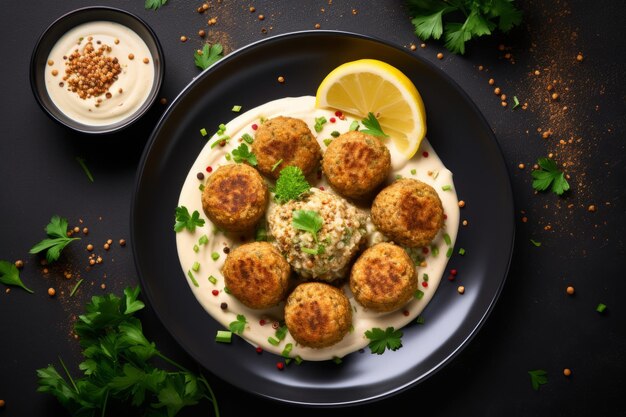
(318, 314)
(409, 212)
(356, 164)
(383, 278)
(285, 139)
(235, 197)
(257, 275)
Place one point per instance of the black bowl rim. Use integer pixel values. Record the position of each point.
(105, 129)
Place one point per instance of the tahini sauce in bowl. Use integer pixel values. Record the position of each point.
(129, 89)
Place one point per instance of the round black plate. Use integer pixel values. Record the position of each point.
(457, 131)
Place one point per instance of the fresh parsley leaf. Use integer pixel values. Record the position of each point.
(10, 275)
(57, 239)
(184, 220)
(308, 220)
(210, 55)
(373, 127)
(464, 19)
(380, 339)
(291, 184)
(242, 153)
(319, 123)
(549, 176)
(154, 4)
(239, 325)
(118, 367)
(538, 377)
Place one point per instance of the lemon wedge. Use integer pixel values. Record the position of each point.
(369, 85)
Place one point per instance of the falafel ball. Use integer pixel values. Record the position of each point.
(257, 275)
(409, 212)
(317, 314)
(235, 197)
(383, 278)
(285, 139)
(356, 164)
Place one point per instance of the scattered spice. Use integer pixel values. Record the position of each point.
(567, 372)
(440, 55)
(51, 292)
(570, 290)
(461, 289)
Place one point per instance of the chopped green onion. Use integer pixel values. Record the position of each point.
(434, 250)
(413, 171)
(80, 281)
(435, 175)
(227, 156)
(280, 161)
(449, 252)
(222, 128)
(81, 162)
(419, 294)
(192, 278)
(446, 238)
(204, 239)
(335, 134)
(224, 336)
(298, 360)
(354, 125)
(203, 132)
(281, 332)
(236, 108)
(196, 266)
(201, 187)
(273, 341)
(249, 139)
(398, 176)
(196, 248)
(600, 308)
(215, 256)
(516, 101)
(446, 187)
(461, 251)
(419, 320)
(287, 350)
(219, 140)
(327, 141)
(337, 360)
(212, 279)
(226, 290)
(534, 242)
(426, 277)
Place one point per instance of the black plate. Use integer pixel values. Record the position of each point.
(467, 146)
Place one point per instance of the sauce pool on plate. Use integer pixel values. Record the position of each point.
(202, 253)
(99, 73)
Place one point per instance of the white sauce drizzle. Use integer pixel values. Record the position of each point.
(255, 333)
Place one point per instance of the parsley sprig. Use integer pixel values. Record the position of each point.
(10, 275)
(239, 325)
(57, 239)
(549, 176)
(373, 126)
(154, 4)
(538, 377)
(184, 220)
(242, 153)
(477, 18)
(380, 339)
(118, 369)
(210, 55)
(291, 184)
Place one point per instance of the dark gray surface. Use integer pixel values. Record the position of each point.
(534, 325)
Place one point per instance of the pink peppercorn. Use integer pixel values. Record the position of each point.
(280, 366)
(215, 292)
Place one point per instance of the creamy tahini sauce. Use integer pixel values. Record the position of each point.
(257, 333)
(135, 80)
